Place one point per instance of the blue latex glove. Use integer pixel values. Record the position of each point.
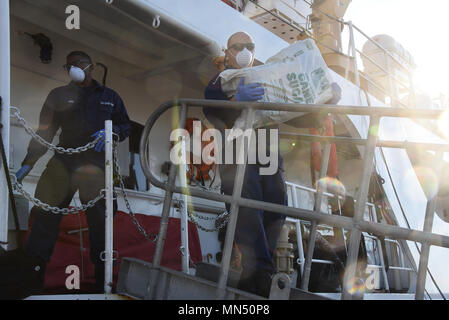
(23, 172)
(249, 92)
(336, 92)
(100, 144)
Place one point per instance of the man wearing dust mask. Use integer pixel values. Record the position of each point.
(79, 109)
(257, 231)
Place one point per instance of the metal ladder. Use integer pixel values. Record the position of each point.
(293, 189)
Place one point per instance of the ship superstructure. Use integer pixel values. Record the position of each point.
(157, 52)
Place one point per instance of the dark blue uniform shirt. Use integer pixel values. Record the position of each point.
(79, 112)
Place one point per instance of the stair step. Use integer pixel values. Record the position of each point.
(211, 272)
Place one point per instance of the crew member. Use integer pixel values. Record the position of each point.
(257, 231)
(79, 109)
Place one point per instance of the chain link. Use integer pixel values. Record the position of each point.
(149, 236)
(220, 221)
(56, 210)
(223, 219)
(42, 141)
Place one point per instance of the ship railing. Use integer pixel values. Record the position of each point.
(392, 90)
(370, 207)
(393, 82)
(356, 225)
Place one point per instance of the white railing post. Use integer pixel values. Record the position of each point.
(298, 231)
(109, 213)
(5, 95)
(428, 224)
(354, 53)
(185, 253)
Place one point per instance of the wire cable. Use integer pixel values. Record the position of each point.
(408, 224)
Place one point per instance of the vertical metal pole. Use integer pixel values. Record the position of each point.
(354, 54)
(342, 230)
(109, 214)
(312, 235)
(395, 262)
(392, 86)
(381, 255)
(412, 90)
(185, 254)
(362, 193)
(382, 263)
(164, 218)
(298, 232)
(165, 214)
(5, 79)
(425, 248)
(230, 231)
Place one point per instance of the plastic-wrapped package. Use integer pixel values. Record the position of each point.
(297, 74)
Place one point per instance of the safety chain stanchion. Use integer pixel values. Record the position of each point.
(109, 207)
(184, 211)
(42, 141)
(149, 236)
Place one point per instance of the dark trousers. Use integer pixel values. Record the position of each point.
(257, 231)
(57, 186)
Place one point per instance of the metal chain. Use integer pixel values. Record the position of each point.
(42, 141)
(149, 236)
(198, 184)
(46, 207)
(191, 215)
(223, 217)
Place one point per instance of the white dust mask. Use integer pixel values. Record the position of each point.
(77, 74)
(244, 58)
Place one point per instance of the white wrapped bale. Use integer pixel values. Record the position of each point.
(297, 74)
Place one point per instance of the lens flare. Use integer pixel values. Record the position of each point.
(443, 123)
(285, 145)
(374, 130)
(427, 179)
(356, 286)
(331, 185)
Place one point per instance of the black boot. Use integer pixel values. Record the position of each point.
(246, 282)
(99, 278)
(20, 275)
(258, 283)
(262, 280)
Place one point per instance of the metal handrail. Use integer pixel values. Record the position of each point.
(399, 248)
(356, 224)
(301, 259)
(384, 91)
(404, 85)
(380, 47)
(341, 20)
(351, 27)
